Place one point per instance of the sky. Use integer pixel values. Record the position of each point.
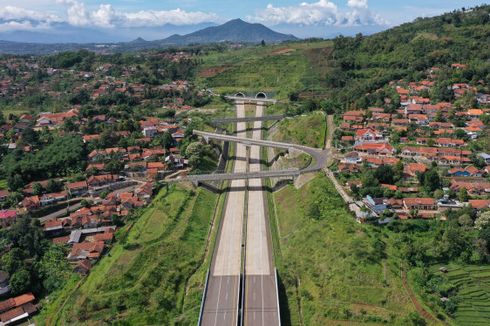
(121, 19)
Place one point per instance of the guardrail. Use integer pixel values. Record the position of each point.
(201, 311)
(277, 297)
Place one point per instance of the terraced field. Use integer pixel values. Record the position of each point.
(474, 293)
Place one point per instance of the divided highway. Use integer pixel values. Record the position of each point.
(242, 273)
(260, 307)
(221, 302)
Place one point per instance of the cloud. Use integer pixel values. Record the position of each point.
(363, 4)
(323, 12)
(20, 19)
(106, 16)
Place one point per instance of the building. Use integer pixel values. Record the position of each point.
(7, 217)
(377, 205)
(375, 148)
(76, 189)
(420, 204)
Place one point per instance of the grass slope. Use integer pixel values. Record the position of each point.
(276, 69)
(308, 129)
(334, 271)
(144, 279)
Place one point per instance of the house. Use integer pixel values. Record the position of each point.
(15, 310)
(353, 116)
(420, 119)
(376, 161)
(145, 191)
(469, 171)
(101, 180)
(377, 205)
(76, 189)
(485, 156)
(449, 142)
(375, 148)
(54, 227)
(473, 187)
(348, 168)
(475, 113)
(83, 267)
(95, 167)
(31, 203)
(52, 198)
(86, 250)
(420, 204)
(368, 135)
(7, 217)
(347, 139)
(150, 131)
(479, 204)
(16, 302)
(105, 237)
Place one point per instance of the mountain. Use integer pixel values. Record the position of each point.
(235, 30)
(75, 39)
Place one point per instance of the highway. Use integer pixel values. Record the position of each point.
(222, 297)
(260, 304)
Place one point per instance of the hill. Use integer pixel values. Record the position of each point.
(233, 31)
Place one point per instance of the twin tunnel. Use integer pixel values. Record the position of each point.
(260, 95)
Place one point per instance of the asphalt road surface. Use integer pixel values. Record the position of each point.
(260, 306)
(221, 302)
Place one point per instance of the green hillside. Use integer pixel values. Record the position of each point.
(153, 275)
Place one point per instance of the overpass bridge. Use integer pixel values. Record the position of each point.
(196, 179)
(248, 119)
(319, 156)
(319, 159)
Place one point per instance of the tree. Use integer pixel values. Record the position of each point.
(12, 260)
(463, 195)
(20, 282)
(483, 221)
(431, 180)
(54, 268)
(438, 194)
(37, 189)
(53, 186)
(385, 174)
(465, 220)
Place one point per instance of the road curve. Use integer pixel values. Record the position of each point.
(319, 156)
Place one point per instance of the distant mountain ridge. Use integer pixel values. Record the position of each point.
(237, 31)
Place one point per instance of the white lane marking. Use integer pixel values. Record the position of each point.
(217, 303)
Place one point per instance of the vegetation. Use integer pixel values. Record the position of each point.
(348, 275)
(306, 130)
(33, 262)
(150, 267)
(362, 65)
